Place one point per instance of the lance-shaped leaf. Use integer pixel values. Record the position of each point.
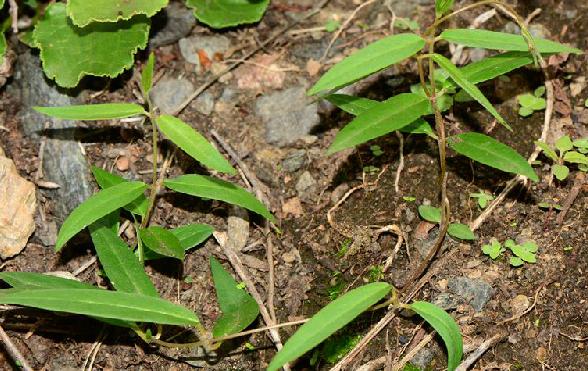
(328, 320)
(489, 151)
(84, 12)
(502, 41)
(189, 236)
(498, 65)
(357, 105)
(106, 179)
(442, 7)
(97, 206)
(104, 111)
(162, 241)
(147, 75)
(386, 117)
(371, 59)
(445, 327)
(2, 47)
(238, 307)
(193, 143)
(122, 267)
(461, 80)
(216, 189)
(100, 49)
(102, 303)
(228, 13)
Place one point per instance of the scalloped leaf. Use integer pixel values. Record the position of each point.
(84, 12)
(69, 53)
(228, 13)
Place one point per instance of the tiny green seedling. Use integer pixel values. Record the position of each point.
(409, 198)
(570, 152)
(549, 206)
(376, 150)
(521, 253)
(375, 273)
(406, 24)
(483, 198)
(332, 25)
(532, 102)
(457, 230)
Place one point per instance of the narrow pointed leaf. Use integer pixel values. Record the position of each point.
(328, 320)
(216, 189)
(106, 179)
(31, 280)
(102, 303)
(97, 206)
(162, 241)
(502, 41)
(104, 111)
(147, 75)
(371, 59)
(461, 231)
(461, 80)
(84, 12)
(498, 65)
(446, 327)
(547, 150)
(386, 117)
(122, 268)
(442, 7)
(189, 236)
(238, 307)
(489, 151)
(193, 143)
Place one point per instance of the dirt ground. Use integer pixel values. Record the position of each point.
(537, 310)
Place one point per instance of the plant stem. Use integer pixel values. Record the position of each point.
(153, 188)
(139, 244)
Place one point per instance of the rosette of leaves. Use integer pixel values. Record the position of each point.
(532, 102)
(564, 153)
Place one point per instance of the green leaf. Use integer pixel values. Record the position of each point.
(515, 261)
(547, 150)
(446, 327)
(525, 111)
(386, 117)
(419, 126)
(189, 236)
(524, 254)
(3, 47)
(122, 268)
(529, 100)
(371, 59)
(97, 206)
(101, 49)
(581, 143)
(102, 303)
(498, 65)
(193, 143)
(531, 246)
(147, 76)
(483, 198)
(228, 13)
(575, 157)
(328, 320)
(560, 171)
(493, 250)
(540, 91)
(502, 41)
(216, 189)
(564, 144)
(461, 80)
(84, 12)
(444, 100)
(430, 213)
(442, 7)
(489, 151)
(461, 231)
(31, 280)
(162, 241)
(105, 180)
(238, 307)
(105, 111)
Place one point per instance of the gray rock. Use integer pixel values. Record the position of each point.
(176, 22)
(209, 44)
(63, 161)
(294, 160)
(228, 95)
(475, 292)
(204, 103)
(423, 358)
(287, 115)
(170, 93)
(306, 186)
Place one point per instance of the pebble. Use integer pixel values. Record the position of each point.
(170, 93)
(476, 292)
(122, 163)
(175, 22)
(305, 185)
(288, 115)
(294, 160)
(204, 103)
(210, 45)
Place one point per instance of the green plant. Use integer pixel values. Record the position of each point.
(532, 102)
(521, 253)
(483, 198)
(570, 152)
(135, 302)
(457, 230)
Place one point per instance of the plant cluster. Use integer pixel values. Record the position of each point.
(564, 153)
(521, 253)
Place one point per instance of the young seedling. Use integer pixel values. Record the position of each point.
(483, 198)
(564, 153)
(456, 230)
(532, 102)
(521, 253)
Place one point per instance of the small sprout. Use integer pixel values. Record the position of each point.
(249, 346)
(370, 170)
(409, 198)
(586, 103)
(493, 250)
(483, 198)
(376, 273)
(344, 247)
(461, 231)
(241, 286)
(332, 25)
(430, 213)
(564, 144)
(406, 24)
(532, 102)
(376, 150)
(188, 279)
(547, 205)
(568, 248)
(522, 253)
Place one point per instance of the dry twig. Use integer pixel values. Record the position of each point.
(13, 351)
(463, 366)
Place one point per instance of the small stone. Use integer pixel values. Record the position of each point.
(446, 301)
(169, 94)
(294, 160)
(288, 115)
(313, 67)
(289, 257)
(541, 354)
(204, 103)
(263, 72)
(476, 292)
(192, 47)
(122, 163)
(175, 22)
(519, 304)
(292, 207)
(339, 192)
(18, 200)
(305, 185)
